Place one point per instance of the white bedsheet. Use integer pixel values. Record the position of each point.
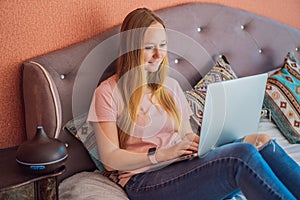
(271, 129)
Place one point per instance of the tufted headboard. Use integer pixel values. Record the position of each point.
(59, 85)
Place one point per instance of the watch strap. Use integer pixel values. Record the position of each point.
(152, 155)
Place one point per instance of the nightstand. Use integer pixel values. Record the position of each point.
(17, 184)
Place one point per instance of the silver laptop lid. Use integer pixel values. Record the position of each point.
(232, 110)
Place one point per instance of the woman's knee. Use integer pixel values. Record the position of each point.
(245, 148)
(241, 150)
(247, 153)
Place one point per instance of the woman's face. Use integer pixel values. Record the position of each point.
(155, 47)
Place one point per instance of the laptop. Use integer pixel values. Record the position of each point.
(232, 110)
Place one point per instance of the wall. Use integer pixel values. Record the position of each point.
(34, 27)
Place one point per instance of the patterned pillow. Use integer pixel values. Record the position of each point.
(221, 71)
(282, 98)
(84, 132)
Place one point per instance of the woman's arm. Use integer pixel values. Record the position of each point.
(188, 132)
(111, 155)
(120, 159)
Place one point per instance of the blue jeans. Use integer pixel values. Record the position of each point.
(266, 174)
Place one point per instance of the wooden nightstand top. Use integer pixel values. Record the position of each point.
(12, 175)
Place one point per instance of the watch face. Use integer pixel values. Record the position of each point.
(151, 151)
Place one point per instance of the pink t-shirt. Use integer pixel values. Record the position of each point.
(153, 127)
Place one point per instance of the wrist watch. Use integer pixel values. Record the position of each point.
(152, 155)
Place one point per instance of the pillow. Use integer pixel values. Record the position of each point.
(221, 71)
(282, 98)
(84, 132)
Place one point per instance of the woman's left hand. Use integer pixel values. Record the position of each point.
(192, 137)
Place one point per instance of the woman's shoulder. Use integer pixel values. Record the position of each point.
(171, 82)
(172, 85)
(108, 84)
(112, 80)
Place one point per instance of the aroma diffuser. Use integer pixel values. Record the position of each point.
(41, 154)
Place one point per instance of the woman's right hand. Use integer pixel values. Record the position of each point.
(184, 147)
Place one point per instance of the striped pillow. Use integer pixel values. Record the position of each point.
(282, 98)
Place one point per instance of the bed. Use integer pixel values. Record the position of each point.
(58, 86)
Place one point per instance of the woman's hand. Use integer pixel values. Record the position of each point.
(187, 146)
(193, 137)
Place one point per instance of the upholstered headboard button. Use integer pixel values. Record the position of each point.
(62, 76)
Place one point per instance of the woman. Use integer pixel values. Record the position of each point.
(141, 117)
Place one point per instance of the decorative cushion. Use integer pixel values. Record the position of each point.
(84, 132)
(282, 98)
(221, 71)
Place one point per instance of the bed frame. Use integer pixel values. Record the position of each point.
(59, 85)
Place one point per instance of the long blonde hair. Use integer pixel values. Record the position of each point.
(130, 71)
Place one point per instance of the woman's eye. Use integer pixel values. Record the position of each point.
(163, 45)
(149, 47)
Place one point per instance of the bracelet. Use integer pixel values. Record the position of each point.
(152, 155)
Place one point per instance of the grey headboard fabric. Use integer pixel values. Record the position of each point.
(59, 85)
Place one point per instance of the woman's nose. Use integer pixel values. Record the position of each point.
(157, 53)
